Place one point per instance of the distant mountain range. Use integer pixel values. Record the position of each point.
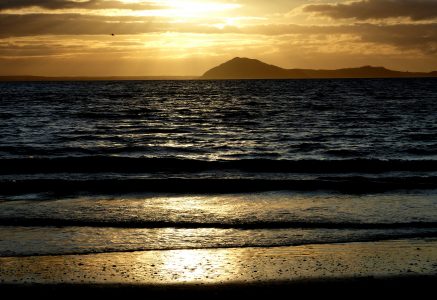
(246, 68)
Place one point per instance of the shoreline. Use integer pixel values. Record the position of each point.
(391, 260)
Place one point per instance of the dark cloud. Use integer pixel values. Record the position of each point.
(68, 4)
(415, 36)
(15, 25)
(422, 37)
(377, 9)
(39, 48)
(72, 24)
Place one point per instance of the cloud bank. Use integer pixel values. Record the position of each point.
(69, 4)
(377, 9)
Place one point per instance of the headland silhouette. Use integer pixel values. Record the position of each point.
(246, 68)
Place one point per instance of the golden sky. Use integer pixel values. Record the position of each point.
(177, 37)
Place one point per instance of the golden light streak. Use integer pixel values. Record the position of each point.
(187, 9)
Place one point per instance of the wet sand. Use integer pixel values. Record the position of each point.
(403, 265)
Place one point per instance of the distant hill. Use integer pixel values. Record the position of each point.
(246, 68)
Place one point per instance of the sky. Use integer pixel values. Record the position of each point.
(177, 37)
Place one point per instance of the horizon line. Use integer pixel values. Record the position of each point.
(31, 78)
(28, 77)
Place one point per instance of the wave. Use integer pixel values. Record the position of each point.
(217, 245)
(208, 186)
(97, 164)
(309, 146)
(424, 150)
(56, 222)
(33, 150)
(347, 153)
(423, 136)
(94, 150)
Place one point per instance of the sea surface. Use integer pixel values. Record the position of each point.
(121, 166)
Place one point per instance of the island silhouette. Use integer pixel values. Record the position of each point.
(247, 68)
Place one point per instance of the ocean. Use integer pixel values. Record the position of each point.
(123, 166)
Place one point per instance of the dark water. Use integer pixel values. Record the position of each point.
(211, 120)
(123, 166)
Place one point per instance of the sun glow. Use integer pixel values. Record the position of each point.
(187, 9)
(200, 6)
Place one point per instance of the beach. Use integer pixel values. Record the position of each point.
(382, 264)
